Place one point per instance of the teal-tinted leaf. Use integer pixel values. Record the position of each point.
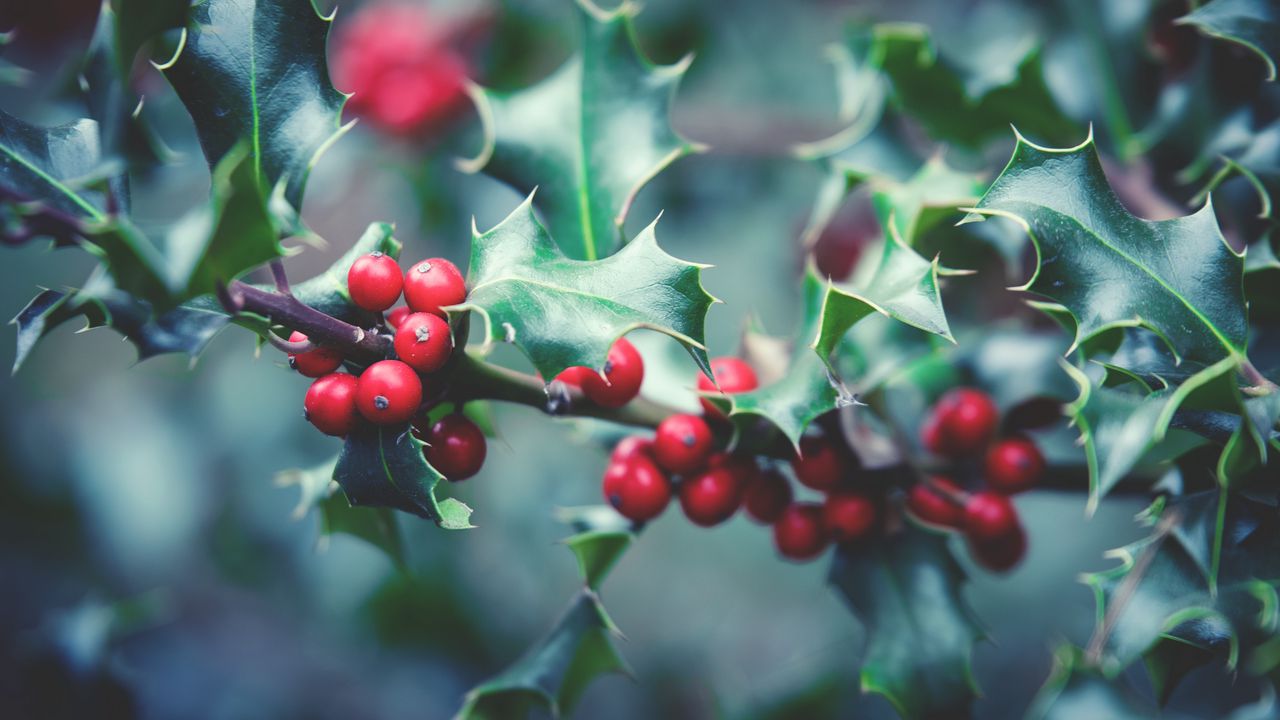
(937, 94)
(589, 136)
(1110, 269)
(319, 492)
(897, 283)
(562, 313)
(920, 631)
(1077, 690)
(327, 292)
(254, 71)
(807, 388)
(58, 166)
(1209, 580)
(553, 674)
(383, 466)
(138, 22)
(1252, 24)
(1261, 278)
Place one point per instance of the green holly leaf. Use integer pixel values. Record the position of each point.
(806, 390)
(589, 136)
(562, 313)
(383, 466)
(920, 631)
(61, 167)
(1252, 24)
(1075, 689)
(954, 107)
(254, 71)
(319, 493)
(1178, 277)
(327, 292)
(896, 282)
(553, 674)
(601, 537)
(1207, 576)
(137, 22)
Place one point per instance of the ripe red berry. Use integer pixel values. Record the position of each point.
(711, 497)
(682, 443)
(734, 376)
(455, 447)
(933, 507)
(1002, 553)
(316, 362)
(988, 516)
(623, 373)
(636, 488)
(848, 516)
(766, 496)
(819, 464)
(631, 446)
(423, 342)
(1013, 465)
(374, 282)
(433, 284)
(396, 315)
(330, 404)
(799, 532)
(966, 420)
(389, 392)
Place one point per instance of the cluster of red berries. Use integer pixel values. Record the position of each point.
(963, 425)
(682, 460)
(392, 391)
(400, 67)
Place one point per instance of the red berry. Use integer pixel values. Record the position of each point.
(966, 420)
(330, 404)
(623, 374)
(848, 516)
(682, 443)
(931, 436)
(988, 516)
(631, 446)
(433, 284)
(766, 496)
(819, 464)
(799, 532)
(389, 392)
(573, 375)
(1001, 553)
(374, 282)
(734, 376)
(455, 447)
(396, 315)
(711, 497)
(636, 488)
(423, 342)
(313, 363)
(934, 507)
(1013, 465)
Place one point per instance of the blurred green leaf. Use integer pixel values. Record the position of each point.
(553, 674)
(1111, 269)
(55, 166)
(562, 313)
(1076, 690)
(589, 136)
(1252, 24)
(254, 71)
(319, 492)
(905, 589)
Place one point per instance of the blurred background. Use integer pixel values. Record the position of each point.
(152, 565)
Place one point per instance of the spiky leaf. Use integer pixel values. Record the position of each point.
(589, 136)
(319, 493)
(897, 283)
(1207, 576)
(553, 674)
(254, 71)
(1111, 269)
(562, 312)
(920, 632)
(1252, 24)
(383, 466)
(55, 166)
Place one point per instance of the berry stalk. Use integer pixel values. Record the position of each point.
(321, 329)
